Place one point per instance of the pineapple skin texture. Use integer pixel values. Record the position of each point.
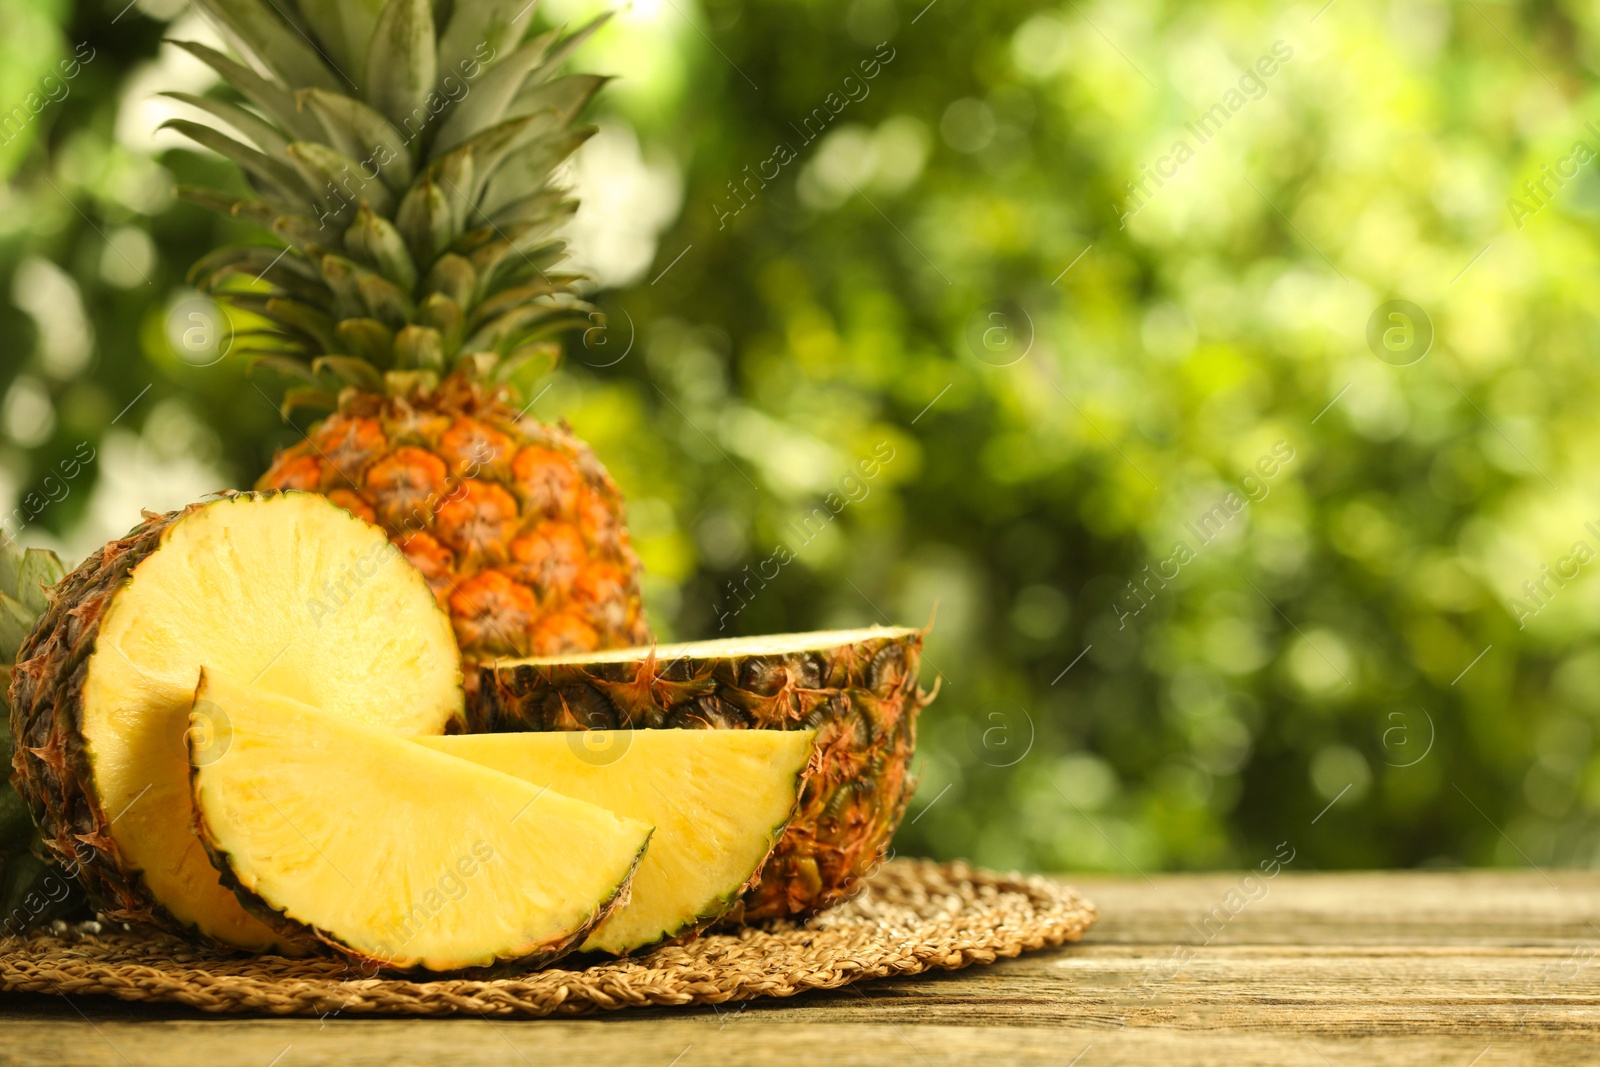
(862, 699)
(51, 768)
(516, 524)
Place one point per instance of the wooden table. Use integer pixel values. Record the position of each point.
(1478, 968)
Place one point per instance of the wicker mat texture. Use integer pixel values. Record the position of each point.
(914, 916)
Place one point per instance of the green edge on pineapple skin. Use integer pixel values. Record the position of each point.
(32, 891)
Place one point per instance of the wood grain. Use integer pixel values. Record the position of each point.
(1479, 968)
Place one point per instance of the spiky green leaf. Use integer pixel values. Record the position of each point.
(456, 176)
(562, 97)
(547, 203)
(372, 293)
(267, 137)
(368, 339)
(260, 262)
(526, 172)
(419, 348)
(303, 397)
(504, 332)
(10, 563)
(375, 240)
(341, 183)
(425, 220)
(341, 274)
(309, 237)
(16, 622)
(343, 27)
(402, 62)
(466, 170)
(445, 315)
(452, 276)
(364, 135)
(490, 97)
(478, 34)
(312, 323)
(275, 101)
(533, 360)
(563, 49)
(386, 301)
(511, 299)
(272, 176)
(39, 571)
(260, 28)
(287, 366)
(350, 370)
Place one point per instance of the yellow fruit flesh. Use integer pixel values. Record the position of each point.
(724, 647)
(391, 850)
(719, 800)
(251, 587)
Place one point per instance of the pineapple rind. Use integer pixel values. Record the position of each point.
(857, 689)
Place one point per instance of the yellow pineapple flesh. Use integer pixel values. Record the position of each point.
(719, 800)
(395, 854)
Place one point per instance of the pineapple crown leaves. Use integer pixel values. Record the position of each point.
(405, 152)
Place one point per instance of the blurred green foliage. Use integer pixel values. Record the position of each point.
(945, 273)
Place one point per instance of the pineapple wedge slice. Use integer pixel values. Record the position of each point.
(396, 855)
(719, 800)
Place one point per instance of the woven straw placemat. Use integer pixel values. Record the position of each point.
(913, 916)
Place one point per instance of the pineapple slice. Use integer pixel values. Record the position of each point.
(394, 854)
(719, 800)
(285, 590)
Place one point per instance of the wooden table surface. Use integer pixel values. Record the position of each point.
(1461, 969)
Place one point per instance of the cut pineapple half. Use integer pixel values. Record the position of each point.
(395, 854)
(731, 648)
(719, 800)
(288, 591)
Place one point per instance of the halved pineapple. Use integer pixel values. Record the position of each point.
(285, 590)
(393, 853)
(857, 688)
(719, 800)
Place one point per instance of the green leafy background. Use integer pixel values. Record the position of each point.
(945, 276)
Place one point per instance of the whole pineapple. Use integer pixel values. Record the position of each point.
(404, 151)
